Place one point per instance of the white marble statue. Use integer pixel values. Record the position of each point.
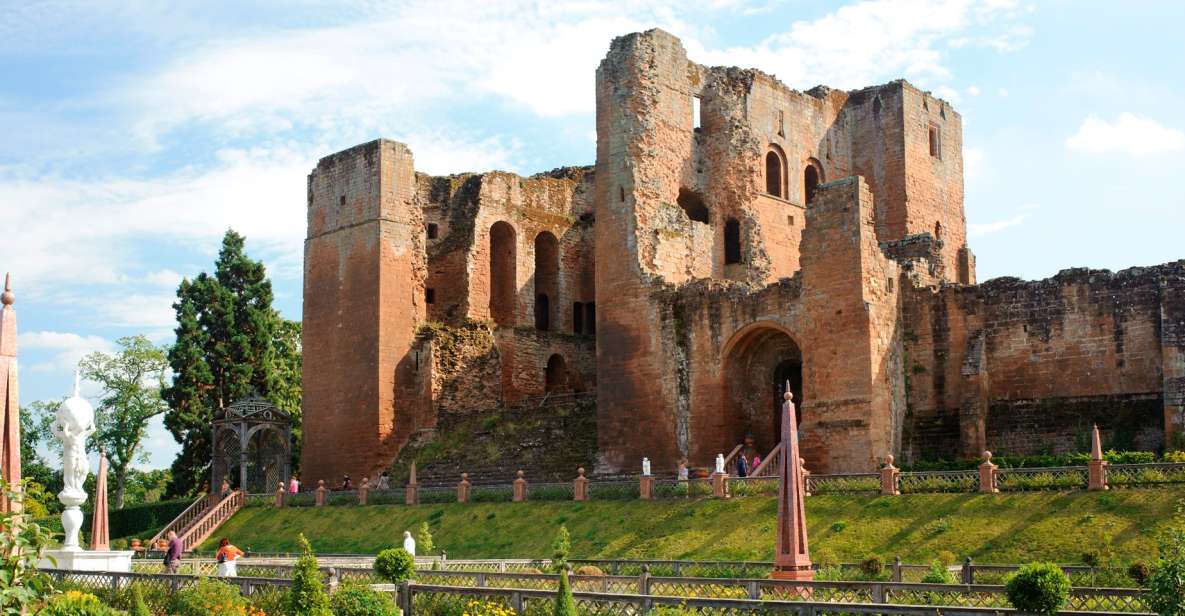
(719, 464)
(409, 544)
(646, 467)
(73, 424)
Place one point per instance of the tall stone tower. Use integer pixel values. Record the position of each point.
(364, 263)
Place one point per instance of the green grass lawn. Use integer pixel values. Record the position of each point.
(1001, 528)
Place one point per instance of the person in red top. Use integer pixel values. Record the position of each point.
(227, 557)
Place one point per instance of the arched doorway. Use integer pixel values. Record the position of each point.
(556, 378)
(758, 362)
(547, 265)
(812, 176)
(502, 274)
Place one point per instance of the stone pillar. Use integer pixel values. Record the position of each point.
(10, 421)
(987, 475)
(580, 486)
(720, 485)
(1097, 467)
(319, 495)
(520, 488)
(889, 475)
(646, 487)
(806, 475)
(463, 489)
(792, 554)
(413, 487)
(363, 491)
(280, 495)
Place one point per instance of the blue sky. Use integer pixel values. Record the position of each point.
(135, 133)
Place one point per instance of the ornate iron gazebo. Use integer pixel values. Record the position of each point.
(252, 446)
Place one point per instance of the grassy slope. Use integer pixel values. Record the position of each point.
(1001, 528)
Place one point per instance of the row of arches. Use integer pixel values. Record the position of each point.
(777, 178)
(503, 280)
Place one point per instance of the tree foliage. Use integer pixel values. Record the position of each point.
(132, 380)
(21, 542)
(1166, 585)
(230, 343)
(560, 547)
(395, 565)
(565, 604)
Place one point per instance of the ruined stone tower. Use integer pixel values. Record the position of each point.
(734, 235)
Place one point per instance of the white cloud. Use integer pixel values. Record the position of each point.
(64, 349)
(973, 90)
(1128, 134)
(987, 228)
(398, 62)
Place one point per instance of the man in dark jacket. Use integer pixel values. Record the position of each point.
(173, 553)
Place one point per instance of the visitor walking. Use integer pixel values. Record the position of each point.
(227, 557)
(683, 474)
(294, 484)
(173, 553)
(742, 466)
(384, 482)
(409, 544)
(347, 484)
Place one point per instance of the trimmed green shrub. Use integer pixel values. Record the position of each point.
(77, 603)
(208, 598)
(565, 605)
(560, 548)
(139, 608)
(361, 600)
(1139, 573)
(1038, 588)
(938, 574)
(395, 565)
(872, 566)
(307, 595)
(424, 541)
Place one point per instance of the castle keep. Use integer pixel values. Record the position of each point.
(734, 235)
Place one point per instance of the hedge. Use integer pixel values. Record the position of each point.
(138, 521)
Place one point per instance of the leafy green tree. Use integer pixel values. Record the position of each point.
(395, 565)
(132, 380)
(42, 480)
(286, 390)
(227, 339)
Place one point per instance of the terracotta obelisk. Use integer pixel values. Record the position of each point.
(793, 560)
(100, 538)
(10, 408)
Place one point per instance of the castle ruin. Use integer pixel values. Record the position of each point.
(734, 235)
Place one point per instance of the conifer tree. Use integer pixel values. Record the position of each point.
(226, 349)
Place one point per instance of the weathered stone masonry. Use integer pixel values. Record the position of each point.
(733, 236)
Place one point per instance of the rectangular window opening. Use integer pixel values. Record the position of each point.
(577, 318)
(430, 296)
(433, 230)
(935, 142)
(781, 123)
(695, 115)
(342, 201)
(590, 318)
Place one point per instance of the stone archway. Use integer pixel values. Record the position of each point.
(758, 362)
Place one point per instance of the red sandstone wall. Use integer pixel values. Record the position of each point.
(1056, 356)
(363, 248)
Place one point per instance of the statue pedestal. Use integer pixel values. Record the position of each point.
(86, 560)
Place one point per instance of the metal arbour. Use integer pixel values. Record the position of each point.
(252, 445)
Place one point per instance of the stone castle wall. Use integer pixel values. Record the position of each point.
(775, 236)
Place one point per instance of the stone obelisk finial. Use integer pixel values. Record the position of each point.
(10, 419)
(1097, 467)
(793, 561)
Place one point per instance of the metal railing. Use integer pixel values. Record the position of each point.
(417, 597)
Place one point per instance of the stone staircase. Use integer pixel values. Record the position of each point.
(200, 520)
